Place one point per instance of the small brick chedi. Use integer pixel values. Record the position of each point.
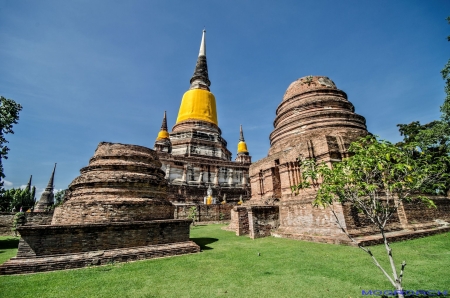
(117, 211)
(122, 183)
(314, 120)
(47, 198)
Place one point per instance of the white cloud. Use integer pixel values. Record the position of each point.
(7, 184)
(39, 192)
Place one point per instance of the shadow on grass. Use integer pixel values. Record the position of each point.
(9, 243)
(203, 242)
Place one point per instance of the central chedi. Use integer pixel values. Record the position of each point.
(194, 155)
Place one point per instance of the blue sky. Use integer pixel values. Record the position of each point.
(92, 71)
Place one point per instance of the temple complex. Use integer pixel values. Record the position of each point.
(194, 155)
(131, 202)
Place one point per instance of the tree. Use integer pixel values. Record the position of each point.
(9, 115)
(376, 179)
(192, 214)
(19, 220)
(16, 198)
(445, 108)
(60, 197)
(431, 139)
(5, 201)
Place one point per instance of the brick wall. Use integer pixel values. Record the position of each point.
(39, 218)
(262, 220)
(418, 212)
(123, 210)
(240, 220)
(358, 224)
(255, 221)
(195, 194)
(299, 216)
(234, 221)
(6, 221)
(215, 212)
(32, 218)
(51, 240)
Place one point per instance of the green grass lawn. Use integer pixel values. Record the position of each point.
(8, 247)
(229, 266)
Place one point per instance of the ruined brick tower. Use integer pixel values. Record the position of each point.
(194, 155)
(314, 120)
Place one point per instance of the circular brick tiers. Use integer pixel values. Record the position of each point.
(122, 183)
(311, 106)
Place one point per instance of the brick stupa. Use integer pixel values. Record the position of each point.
(316, 120)
(117, 211)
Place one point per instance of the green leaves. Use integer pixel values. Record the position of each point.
(9, 114)
(16, 198)
(375, 178)
(59, 197)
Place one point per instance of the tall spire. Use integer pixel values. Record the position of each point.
(29, 183)
(200, 79)
(163, 143)
(163, 133)
(243, 156)
(52, 178)
(242, 146)
(202, 51)
(241, 136)
(198, 103)
(164, 122)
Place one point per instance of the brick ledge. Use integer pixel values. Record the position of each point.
(104, 257)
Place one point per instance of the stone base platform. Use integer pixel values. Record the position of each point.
(365, 240)
(400, 235)
(55, 247)
(103, 257)
(313, 238)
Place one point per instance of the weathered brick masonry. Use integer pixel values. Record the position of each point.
(262, 220)
(359, 225)
(239, 221)
(6, 221)
(418, 212)
(117, 210)
(32, 218)
(205, 213)
(39, 218)
(38, 241)
(100, 257)
(255, 221)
